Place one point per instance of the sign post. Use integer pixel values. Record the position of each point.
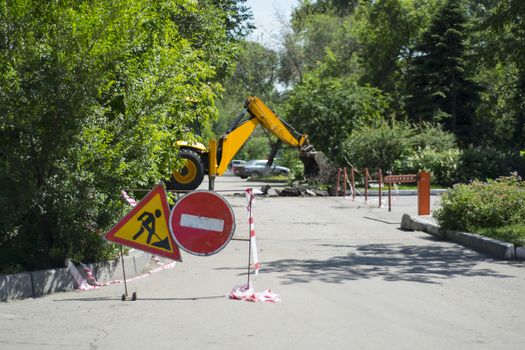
(423, 189)
(391, 179)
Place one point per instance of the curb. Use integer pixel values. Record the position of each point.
(489, 246)
(39, 283)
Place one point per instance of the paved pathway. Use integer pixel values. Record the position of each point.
(348, 278)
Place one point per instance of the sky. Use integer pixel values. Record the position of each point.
(266, 14)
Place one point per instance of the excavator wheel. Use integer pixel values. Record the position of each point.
(191, 175)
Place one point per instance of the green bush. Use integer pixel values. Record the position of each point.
(257, 147)
(328, 109)
(482, 163)
(405, 149)
(379, 146)
(431, 136)
(441, 164)
(484, 206)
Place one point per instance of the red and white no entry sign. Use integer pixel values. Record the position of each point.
(202, 223)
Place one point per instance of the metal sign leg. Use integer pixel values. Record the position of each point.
(125, 295)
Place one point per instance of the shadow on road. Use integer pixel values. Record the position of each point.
(392, 262)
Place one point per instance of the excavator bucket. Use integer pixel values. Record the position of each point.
(316, 165)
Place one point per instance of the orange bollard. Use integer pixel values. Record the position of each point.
(423, 193)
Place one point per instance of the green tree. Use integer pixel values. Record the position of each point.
(505, 27)
(255, 74)
(322, 40)
(93, 95)
(329, 109)
(390, 30)
(308, 8)
(402, 148)
(439, 86)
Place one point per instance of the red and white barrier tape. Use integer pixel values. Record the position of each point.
(246, 293)
(128, 199)
(80, 281)
(90, 275)
(250, 196)
(84, 284)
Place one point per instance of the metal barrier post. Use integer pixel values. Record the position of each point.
(345, 179)
(366, 185)
(352, 183)
(389, 196)
(379, 179)
(338, 179)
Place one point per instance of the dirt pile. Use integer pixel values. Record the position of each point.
(295, 191)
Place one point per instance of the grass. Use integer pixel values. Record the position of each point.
(514, 234)
(413, 187)
(384, 187)
(269, 178)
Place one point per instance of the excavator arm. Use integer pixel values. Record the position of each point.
(259, 114)
(274, 124)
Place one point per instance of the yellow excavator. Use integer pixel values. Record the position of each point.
(214, 160)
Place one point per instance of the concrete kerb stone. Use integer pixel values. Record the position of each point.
(38, 283)
(51, 281)
(492, 247)
(416, 224)
(135, 263)
(520, 253)
(498, 249)
(16, 286)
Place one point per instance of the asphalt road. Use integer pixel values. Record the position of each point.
(347, 276)
(229, 184)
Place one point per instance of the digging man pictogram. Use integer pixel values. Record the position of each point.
(148, 224)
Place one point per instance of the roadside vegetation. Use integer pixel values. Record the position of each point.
(430, 85)
(495, 208)
(93, 96)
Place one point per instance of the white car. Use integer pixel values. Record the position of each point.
(236, 163)
(257, 167)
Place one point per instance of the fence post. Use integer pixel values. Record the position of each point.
(352, 183)
(366, 185)
(338, 179)
(379, 179)
(346, 180)
(389, 196)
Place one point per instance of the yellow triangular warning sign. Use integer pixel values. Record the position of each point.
(145, 227)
